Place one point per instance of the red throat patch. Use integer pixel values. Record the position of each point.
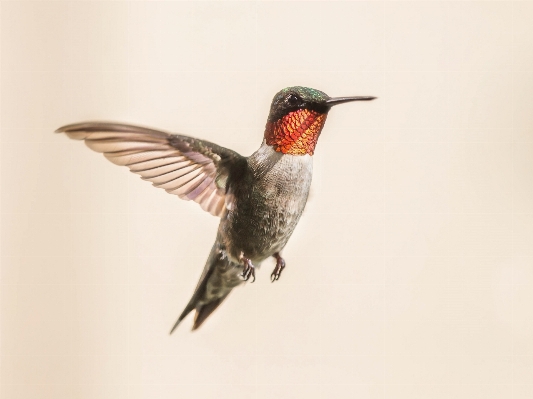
(296, 133)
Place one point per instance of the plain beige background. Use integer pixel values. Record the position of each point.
(411, 272)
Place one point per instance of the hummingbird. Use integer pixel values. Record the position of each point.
(259, 199)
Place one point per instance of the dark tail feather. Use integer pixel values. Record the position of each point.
(202, 313)
(205, 309)
(184, 314)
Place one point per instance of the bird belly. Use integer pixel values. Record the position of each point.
(267, 210)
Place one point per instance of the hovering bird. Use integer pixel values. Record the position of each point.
(259, 198)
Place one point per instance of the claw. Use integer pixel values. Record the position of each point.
(280, 265)
(249, 270)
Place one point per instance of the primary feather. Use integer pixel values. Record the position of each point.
(184, 166)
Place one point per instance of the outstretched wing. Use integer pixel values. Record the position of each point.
(190, 168)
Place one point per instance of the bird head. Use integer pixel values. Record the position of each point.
(297, 116)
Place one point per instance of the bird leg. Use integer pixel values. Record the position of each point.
(280, 265)
(249, 269)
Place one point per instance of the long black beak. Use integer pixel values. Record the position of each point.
(341, 100)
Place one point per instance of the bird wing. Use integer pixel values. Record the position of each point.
(190, 168)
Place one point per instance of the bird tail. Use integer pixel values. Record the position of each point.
(214, 286)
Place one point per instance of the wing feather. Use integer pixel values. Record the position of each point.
(165, 171)
(173, 178)
(112, 146)
(200, 188)
(154, 163)
(132, 157)
(186, 188)
(190, 168)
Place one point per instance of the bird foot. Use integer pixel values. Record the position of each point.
(280, 265)
(249, 270)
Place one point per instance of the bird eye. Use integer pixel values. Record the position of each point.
(292, 99)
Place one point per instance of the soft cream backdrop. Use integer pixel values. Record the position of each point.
(411, 272)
